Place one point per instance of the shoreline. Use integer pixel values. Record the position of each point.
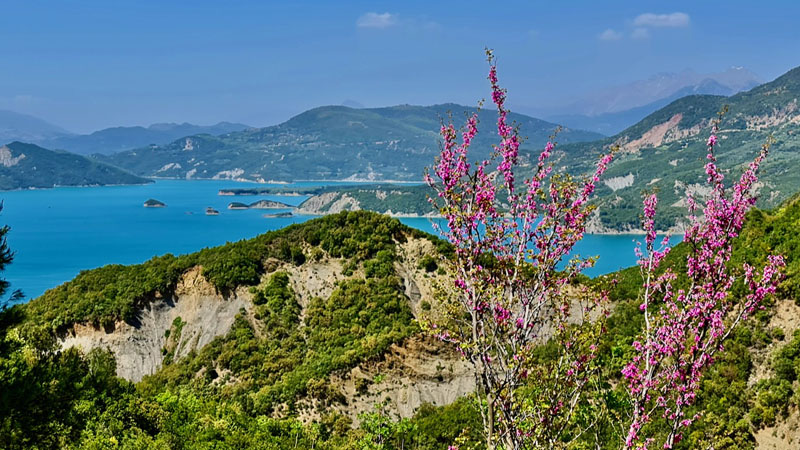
(58, 186)
(295, 210)
(439, 216)
(284, 182)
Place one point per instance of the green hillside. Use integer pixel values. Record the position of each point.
(24, 166)
(672, 154)
(252, 387)
(753, 385)
(273, 359)
(331, 142)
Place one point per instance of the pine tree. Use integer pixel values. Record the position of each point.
(6, 257)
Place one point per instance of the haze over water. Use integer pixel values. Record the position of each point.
(58, 232)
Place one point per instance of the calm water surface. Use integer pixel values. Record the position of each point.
(56, 233)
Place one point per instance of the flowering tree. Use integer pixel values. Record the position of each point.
(513, 290)
(530, 333)
(684, 328)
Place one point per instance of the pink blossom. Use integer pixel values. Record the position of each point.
(532, 226)
(685, 328)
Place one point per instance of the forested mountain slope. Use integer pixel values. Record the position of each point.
(666, 151)
(330, 142)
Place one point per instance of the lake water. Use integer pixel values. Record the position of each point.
(56, 233)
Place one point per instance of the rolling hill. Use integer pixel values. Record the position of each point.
(25, 128)
(331, 142)
(24, 166)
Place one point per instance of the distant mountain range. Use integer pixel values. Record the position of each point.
(613, 122)
(25, 128)
(609, 111)
(664, 152)
(24, 166)
(111, 140)
(331, 142)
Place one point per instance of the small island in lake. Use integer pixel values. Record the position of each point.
(269, 204)
(211, 211)
(153, 203)
(261, 204)
(277, 215)
(237, 205)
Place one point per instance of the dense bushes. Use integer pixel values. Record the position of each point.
(776, 395)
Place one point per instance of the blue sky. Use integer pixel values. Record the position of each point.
(86, 65)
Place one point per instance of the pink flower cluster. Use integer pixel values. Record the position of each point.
(510, 286)
(684, 328)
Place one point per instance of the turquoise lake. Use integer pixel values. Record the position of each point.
(58, 232)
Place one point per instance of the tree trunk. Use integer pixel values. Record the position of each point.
(490, 419)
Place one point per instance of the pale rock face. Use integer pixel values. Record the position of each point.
(329, 203)
(654, 136)
(661, 134)
(788, 113)
(137, 347)
(413, 374)
(699, 192)
(370, 176)
(168, 166)
(618, 183)
(416, 372)
(8, 159)
(344, 203)
(785, 433)
(229, 174)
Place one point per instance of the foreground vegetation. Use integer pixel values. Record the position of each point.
(233, 392)
(64, 399)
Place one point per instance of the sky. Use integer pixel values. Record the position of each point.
(87, 65)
